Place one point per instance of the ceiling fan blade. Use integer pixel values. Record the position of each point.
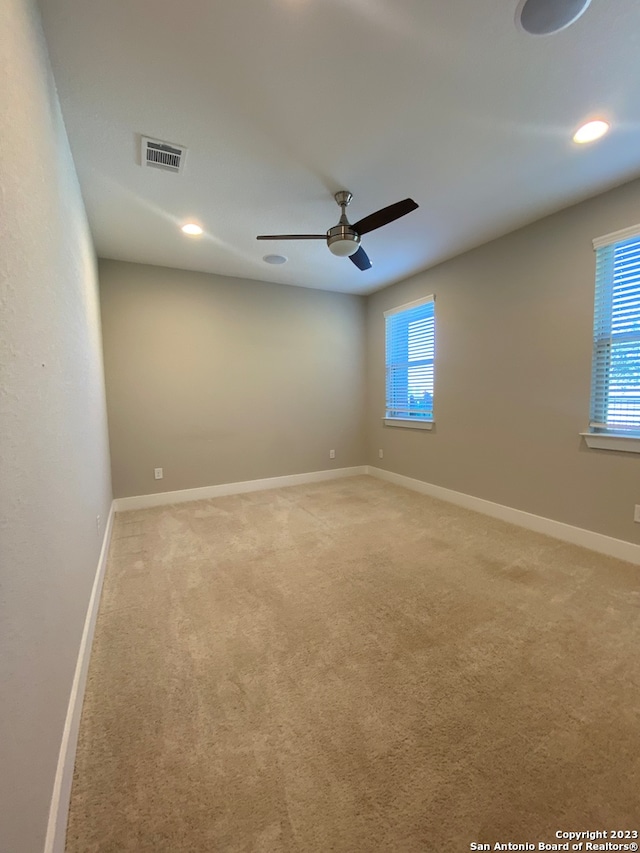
(360, 259)
(384, 216)
(292, 237)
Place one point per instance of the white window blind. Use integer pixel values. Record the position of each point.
(615, 382)
(410, 350)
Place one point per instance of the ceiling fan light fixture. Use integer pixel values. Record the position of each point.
(342, 241)
(343, 248)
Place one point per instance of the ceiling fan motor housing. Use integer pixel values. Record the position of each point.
(342, 240)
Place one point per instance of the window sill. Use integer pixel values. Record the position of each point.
(411, 423)
(606, 441)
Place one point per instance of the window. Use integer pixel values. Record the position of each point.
(615, 382)
(410, 345)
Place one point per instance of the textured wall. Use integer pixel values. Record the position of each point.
(219, 380)
(513, 365)
(54, 464)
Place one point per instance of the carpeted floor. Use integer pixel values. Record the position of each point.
(352, 667)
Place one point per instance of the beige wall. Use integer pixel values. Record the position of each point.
(220, 380)
(513, 361)
(54, 464)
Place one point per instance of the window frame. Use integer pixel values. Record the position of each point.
(599, 436)
(424, 423)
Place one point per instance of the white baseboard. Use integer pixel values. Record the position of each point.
(59, 810)
(183, 495)
(557, 529)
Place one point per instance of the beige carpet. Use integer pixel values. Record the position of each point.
(352, 667)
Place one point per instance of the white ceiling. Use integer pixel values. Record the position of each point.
(282, 102)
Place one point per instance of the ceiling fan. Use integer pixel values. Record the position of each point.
(344, 239)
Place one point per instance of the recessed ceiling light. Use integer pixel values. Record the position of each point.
(192, 229)
(590, 131)
(545, 17)
(275, 259)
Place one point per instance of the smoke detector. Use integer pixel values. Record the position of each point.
(545, 17)
(162, 155)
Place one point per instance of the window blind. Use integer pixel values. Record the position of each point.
(615, 383)
(410, 349)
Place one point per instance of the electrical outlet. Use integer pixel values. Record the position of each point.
(158, 473)
(332, 454)
(381, 454)
(636, 513)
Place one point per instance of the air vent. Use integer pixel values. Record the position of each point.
(162, 155)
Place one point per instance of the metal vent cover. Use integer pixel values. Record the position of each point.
(162, 155)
